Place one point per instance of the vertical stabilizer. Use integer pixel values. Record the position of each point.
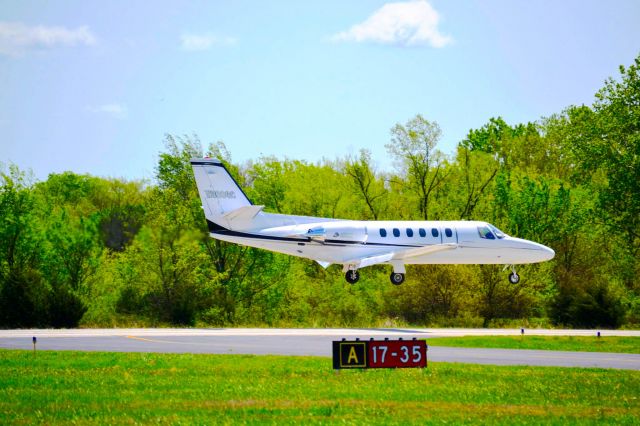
(219, 192)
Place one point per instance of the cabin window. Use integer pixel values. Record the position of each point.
(383, 232)
(409, 232)
(422, 232)
(434, 232)
(396, 232)
(448, 232)
(485, 233)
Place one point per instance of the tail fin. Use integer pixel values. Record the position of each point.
(219, 192)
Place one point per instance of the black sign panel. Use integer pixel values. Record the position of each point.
(350, 354)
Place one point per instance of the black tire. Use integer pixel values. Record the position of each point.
(514, 278)
(352, 277)
(397, 278)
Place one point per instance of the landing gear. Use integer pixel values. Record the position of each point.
(397, 278)
(514, 278)
(352, 276)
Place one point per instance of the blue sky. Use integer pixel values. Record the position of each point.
(92, 87)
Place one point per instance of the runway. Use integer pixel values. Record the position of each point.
(314, 342)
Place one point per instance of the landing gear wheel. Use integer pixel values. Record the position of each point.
(514, 278)
(396, 278)
(352, 277)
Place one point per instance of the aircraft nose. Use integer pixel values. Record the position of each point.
(535, 252)
(549, 253)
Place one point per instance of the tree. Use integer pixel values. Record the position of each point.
(268, 185)
(167, 269)
(414, 148)
(24, 297)
(478, 171)
(606, 141)
(364, 182)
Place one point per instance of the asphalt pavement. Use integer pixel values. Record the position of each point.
(314, 342)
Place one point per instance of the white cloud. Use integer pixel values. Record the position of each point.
(115, 110)
(413, 23)
(17, 38)
(195, 42)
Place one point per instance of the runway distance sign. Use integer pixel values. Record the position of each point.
(379, 354)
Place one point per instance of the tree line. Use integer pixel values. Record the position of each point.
(80, 250)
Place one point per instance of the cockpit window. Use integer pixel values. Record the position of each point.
(485, 232)
(498, 233)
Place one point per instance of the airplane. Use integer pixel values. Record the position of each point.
(354, 244)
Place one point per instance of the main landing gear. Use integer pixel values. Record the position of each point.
(352, 276)
(397, 278)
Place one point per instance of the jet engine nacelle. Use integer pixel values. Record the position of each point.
(339, 232)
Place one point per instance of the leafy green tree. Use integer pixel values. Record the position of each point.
(414, 148)
(364, 182)
(23, 294)
(268, 185)
(121, 211)
(491, 137)
(471, 181)
(433, 294)
(169, 267)
(606, 141)
(316, 190)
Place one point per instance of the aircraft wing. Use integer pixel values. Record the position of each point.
(406, 254)
(421, 251)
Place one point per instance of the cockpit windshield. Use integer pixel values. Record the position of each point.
(490, 232)
(498, 233)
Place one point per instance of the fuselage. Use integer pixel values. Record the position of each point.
(339, 241)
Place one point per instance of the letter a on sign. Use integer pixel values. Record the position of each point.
(350, 354)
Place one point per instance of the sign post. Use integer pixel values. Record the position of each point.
(379, 354)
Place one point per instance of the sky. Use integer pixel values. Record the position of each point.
(93, 87)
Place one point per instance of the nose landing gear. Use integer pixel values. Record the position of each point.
(514, 278)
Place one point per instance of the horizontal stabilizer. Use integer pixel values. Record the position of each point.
(242, 215)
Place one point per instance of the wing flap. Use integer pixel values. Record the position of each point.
(421, 251)
(406, 254)
(373, 260)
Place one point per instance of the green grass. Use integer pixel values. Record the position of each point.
(116, 388)
(629, 345)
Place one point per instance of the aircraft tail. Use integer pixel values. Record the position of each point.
(224, 203)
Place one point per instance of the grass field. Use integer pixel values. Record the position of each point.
(117, 388)
(553, 343)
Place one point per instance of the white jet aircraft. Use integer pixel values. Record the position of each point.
(353, 243)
